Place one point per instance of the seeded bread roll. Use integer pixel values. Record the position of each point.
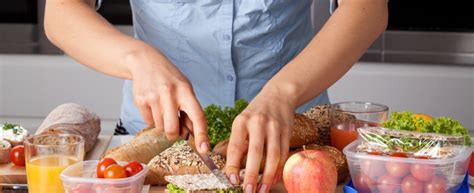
(338, 157)
(72, 118)
(179, 159)
(320, 114)
(304, 132)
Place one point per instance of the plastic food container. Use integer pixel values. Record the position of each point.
(81, 178)
(383, 174)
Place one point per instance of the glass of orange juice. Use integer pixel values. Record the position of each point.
(347, 117)
(46, 157)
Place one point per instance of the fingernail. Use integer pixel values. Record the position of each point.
(263, 188)
(249, 188)
(204, 146)
(233, 179)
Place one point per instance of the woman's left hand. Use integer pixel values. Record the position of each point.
(264, 126)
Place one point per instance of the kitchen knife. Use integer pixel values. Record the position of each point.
(205, 157)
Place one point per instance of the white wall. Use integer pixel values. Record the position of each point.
(32, 85)
(432, 89)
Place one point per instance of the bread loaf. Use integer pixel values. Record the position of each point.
(304, 132)
(179, 159)
(320, 114)
(144, 146)
(72, 118)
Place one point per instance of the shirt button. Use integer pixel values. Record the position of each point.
(230, 78)
(226, 37)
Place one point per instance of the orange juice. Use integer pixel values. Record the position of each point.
(43, 173)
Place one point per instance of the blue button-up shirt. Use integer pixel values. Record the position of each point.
(228, 49)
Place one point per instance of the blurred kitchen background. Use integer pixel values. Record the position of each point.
(423, 63)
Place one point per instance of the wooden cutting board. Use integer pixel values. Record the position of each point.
(11, 174)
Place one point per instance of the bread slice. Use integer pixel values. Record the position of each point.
(199, 183)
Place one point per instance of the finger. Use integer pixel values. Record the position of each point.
(157, 116)
(193, 110)
(147, 115)
(170, 117)
(284, 150)
(254, 156)
(273, 158)
(236, 150)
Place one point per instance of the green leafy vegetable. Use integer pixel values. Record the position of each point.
(219, 120)
(407, 121)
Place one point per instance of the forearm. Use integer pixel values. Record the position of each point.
(332, 52)
(76, 28)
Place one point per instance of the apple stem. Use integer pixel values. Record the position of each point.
(304, 150)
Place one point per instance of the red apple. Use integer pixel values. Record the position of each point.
(310, 171)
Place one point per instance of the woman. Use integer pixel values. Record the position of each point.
(190, 53)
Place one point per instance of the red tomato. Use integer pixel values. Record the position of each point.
(436, 185)
(423, 172)
(388, 184)
(397, 169)
(17, 155)
(103, 164)
(372, 168)
(411, 185)
(115, 171)
(363, 183)
(399, 154)
(375, 153)
(422, 157)
(133, 168)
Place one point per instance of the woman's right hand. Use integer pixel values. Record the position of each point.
(160, 91)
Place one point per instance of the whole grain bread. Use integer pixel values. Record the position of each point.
(304, 132)
(179, 159)
(72, 118)
(321, 116)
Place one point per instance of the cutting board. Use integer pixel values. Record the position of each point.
(11, 174)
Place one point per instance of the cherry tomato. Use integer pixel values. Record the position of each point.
(133, 168)
(422, 172)
(411, 185)
(398, 154)
(372, 168)
(375, 153)
(103, 164)
(363, 183)
(388, 184)
(115, 171)
(397, 169)
(17, 155)
(422, 157)
(436, 185)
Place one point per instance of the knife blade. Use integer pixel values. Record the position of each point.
(205, 157)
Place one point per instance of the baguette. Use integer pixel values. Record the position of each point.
(72, 118)
(179, 159)
(144, 146)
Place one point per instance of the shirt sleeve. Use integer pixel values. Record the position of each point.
(98, 3)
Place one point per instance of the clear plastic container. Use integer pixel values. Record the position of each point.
(81, 178)
(385, 174)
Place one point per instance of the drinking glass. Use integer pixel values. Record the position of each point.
(347, 117)
(46, 157)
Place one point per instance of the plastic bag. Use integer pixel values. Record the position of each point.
(413, 144)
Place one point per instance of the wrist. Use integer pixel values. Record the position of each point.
(285, 93)
(140, 58)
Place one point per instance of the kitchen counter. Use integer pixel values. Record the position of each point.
(117, 140)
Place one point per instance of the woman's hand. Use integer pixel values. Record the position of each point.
(160, 91)
(266, 125)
